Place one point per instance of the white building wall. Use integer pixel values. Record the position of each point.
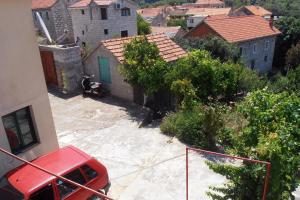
(91, 31)
(22, 81)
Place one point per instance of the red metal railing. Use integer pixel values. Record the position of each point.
(268, 167)
(57, 176)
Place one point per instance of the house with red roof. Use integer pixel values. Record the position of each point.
(56, 18)
(254, 36)
(104, 61)
(154, 16)
(95, 20)
(252, 10)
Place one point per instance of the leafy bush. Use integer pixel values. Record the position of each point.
(198, 126)
(143, 26)
(177, 22)
(271, 134)
(293, 56)
(143, 65)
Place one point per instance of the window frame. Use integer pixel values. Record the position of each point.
(85, 174)
(124, 32)
(266, 58)
(125, 12)
(103, 13)
(82, 11)
(267, 45)
(105, 31)
(29, 118)
(254, 48)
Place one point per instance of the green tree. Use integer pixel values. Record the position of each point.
(293, 56)
(143, 66)
(143, 26)
(272, 133)
(177, 22)
(219, 48)
(290, 28)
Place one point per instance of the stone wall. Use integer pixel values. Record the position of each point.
(118, 87)
(68, 65)
(263, 57)
(49, 22)
(91, 31)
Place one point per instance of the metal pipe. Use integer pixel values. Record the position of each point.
(57, 176)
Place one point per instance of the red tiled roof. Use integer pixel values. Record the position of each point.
(149, 12)
(168, 49)
(257, 10)
(241, 28)
(85, 3)
(208, 11)
(208, 2)
(39, 4)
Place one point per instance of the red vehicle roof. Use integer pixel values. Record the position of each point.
(27, 178)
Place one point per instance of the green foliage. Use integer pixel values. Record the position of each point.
(143, 66)
(272, 133)
(177, 22)
(293, 56)
(289, 83)
(198, 126)
(185, 92)
(219, 48)
(143, 26)
(290, 28)
(204, 78)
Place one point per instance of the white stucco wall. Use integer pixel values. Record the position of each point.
(22, 81)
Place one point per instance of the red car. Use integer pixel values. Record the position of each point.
(29, 183)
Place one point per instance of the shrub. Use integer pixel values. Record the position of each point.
(143, 26)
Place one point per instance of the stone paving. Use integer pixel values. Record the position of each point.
(143, 164)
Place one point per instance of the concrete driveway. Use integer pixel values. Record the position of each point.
(143, 164)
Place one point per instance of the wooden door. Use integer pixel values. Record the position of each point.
(104, 70)
(49, 67)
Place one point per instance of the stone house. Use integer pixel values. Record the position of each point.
(154, 16)
(103, 62)
(94, 21)
(56, 17)
(254, 36)
(252, 10)
(206, 3)
(26, 124)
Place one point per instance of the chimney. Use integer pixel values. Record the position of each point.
(271, 21)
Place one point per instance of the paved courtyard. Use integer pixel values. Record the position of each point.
(143, 164)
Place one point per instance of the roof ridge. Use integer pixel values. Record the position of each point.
(212, 18)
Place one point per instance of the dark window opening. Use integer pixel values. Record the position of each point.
(89, 172)
(266, 58)
(252, 64)
(47, 15)
(82, 32)
(41, 14)
(105, 31)
(66, 188)
(103, 12)
(241, 50)
(83, 44)
(124, 33)
(45, 193)
(125, 12)
(19, 130)
(82, 12)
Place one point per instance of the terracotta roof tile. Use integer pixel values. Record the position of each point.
(149, 12)
(208, 2)
(208, 11)
(257, 10)
(85, 3)
(241, 28)
(40, 4)
(168, 49)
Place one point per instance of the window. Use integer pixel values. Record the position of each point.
(82, 11)
(241, 50)
(19, 130)
(191, 21)
(89, 172)
(45, 193)
(267, 45)
(83, 44)
(41, 14)
(254, 48)
(103, 12)
(105, 31)
(47, 15)
(252, 64)
(266, 58)
(82, 32)
(124, 33)
(125, 12)
(7, 191)
(65, 188)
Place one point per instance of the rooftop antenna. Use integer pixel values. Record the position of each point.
(45, 30)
